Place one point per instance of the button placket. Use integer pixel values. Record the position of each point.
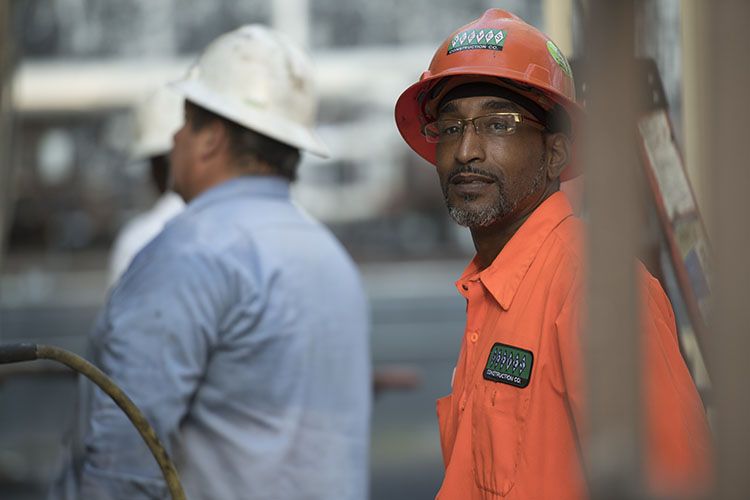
(473, 301)
(471, 335)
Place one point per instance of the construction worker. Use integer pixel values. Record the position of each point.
(496, 114)
(157, 118)
(241, 330)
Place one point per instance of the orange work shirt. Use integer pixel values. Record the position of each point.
(510, 428)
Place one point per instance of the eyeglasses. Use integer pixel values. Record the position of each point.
(492, 125)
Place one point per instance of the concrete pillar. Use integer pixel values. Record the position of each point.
(725, 137)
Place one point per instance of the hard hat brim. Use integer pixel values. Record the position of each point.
(251, 117)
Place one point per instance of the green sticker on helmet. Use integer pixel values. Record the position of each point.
(559, 58)
(489, 38)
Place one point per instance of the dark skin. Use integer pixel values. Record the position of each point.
(523, 169)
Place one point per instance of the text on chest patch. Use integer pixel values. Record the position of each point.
(509, 365)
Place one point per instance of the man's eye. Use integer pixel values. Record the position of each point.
(450, 129)
(497, 126)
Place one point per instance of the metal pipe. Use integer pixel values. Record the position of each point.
(15, 353)
(612, 453)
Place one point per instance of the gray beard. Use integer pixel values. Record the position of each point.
(479, 216)
(487, 215)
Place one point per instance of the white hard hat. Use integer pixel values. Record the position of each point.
(157, 118)
(257, 78)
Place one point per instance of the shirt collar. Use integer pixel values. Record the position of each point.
(503, 277)
(256, 186)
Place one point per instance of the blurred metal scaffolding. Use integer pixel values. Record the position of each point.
(728, 81)
(614, 188)
(6, 72)
(695, 104)
(558, 23)
(292, 17)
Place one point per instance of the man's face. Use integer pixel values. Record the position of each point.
(182, 160)
(486, 179)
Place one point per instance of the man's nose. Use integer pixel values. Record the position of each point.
(470, 147)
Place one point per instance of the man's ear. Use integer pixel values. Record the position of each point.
(558, 154)
(211, 139)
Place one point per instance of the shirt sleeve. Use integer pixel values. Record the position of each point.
(159, 328)
(678, 449)
(679, 452)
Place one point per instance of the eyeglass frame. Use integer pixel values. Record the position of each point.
(518, 119)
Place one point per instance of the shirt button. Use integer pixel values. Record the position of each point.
(474, 336)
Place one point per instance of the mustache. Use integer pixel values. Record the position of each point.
(471, 169)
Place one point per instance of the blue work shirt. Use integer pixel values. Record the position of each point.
(241, 332)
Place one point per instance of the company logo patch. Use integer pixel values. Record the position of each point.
(559, 58)
(477, 39)
(509, 365)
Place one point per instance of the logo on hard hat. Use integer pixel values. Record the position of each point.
(477, 39)
(559, 58)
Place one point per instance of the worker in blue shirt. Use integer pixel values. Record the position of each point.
(241, 330)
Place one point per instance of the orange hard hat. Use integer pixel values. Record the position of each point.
(498, 48)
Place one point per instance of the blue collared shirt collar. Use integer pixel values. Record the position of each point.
(246, 185)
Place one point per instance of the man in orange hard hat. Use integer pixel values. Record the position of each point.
(495, 113)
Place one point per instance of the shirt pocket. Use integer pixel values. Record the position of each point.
(447, 427)
(497, 431)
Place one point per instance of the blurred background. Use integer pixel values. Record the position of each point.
(72, 70)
